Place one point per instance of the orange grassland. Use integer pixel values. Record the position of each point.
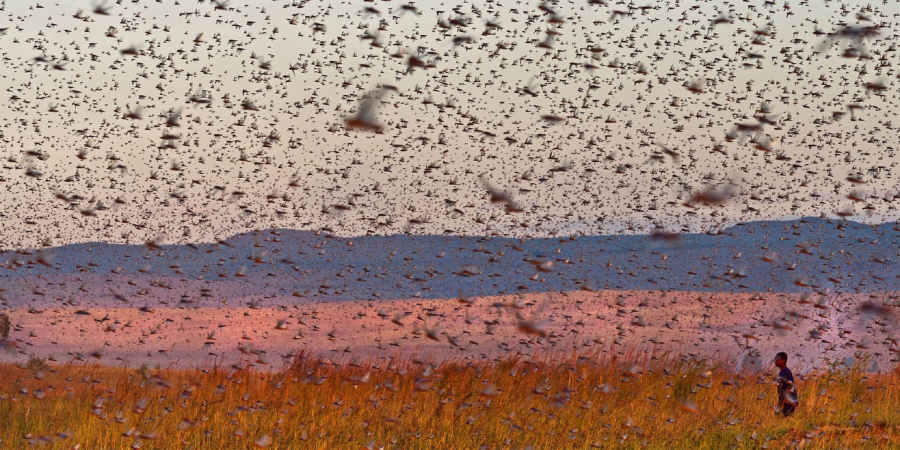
(640, 400)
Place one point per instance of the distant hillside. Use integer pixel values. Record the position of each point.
(790, 256)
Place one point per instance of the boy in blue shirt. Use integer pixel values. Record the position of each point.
(787, 390)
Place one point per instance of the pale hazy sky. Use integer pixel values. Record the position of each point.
(599, 169)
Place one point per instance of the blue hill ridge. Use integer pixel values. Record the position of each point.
(771, 256)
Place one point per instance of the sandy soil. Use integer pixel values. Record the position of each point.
(745, 329)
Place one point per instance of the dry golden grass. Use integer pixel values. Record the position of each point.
(580, 402)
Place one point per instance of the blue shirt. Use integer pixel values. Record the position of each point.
(785, 381)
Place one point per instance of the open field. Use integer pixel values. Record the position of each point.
(745, 329)
(590, 401)
(604, 369)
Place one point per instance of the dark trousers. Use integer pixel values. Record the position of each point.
(787, 409)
